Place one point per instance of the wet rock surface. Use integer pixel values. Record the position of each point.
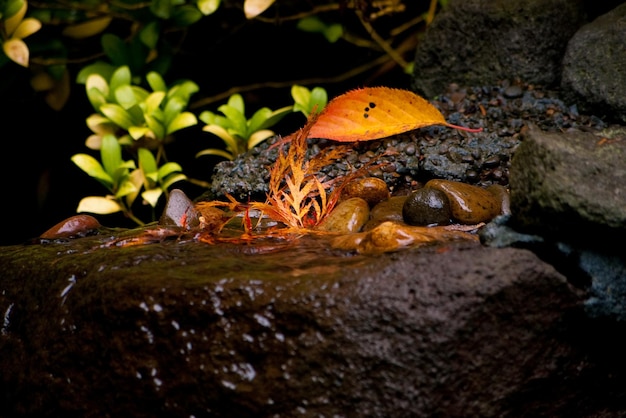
(186, 329)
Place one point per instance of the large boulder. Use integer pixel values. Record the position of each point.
(184, 328)
(480, 42)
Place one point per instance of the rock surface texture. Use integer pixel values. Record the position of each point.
(525, 321)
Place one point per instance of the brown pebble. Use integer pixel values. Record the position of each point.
(372, 189)
(75, 225)
(469, 204)
(348, 216)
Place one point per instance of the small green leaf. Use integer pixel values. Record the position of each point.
(125, 96)
(147, 163)
(156, 82)
(115, 49)
(183, 120)
(93, 168)
(236, 101)
(168, 168)
(215, 151)
(186, 16)
(167, 183)
(152, 196)
(276, 116)
(301, 95)
(161, 8)
(155, 126)
(110, 154)
(104, 69)
(235, 117)
(117, 114)
(258, 120)
(99, 205)
(229, 140)
(208, 7)
(153, 102)
(149, 35)
(137, 132)
(121, 77)
(258, 137)
(126, 188)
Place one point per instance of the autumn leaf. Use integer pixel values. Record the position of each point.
(376, 112)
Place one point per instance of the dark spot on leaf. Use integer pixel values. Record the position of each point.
(367, 109)
(365, 115)
(372, 105)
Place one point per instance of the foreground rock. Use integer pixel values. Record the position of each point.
(187, 329)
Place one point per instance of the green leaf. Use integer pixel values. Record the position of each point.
(258, 120)
(236, 101)
(173, 107)
(147, 163)
(301, 95)
(183, 90)
(333, 32)
(99, 205)
(229, 140)
(181, 121)
(208, 7)
(276, 116)
(117, 114)
(172, 179)
(156, 82)
(115, 49)
(169, 168)
(11, 8)
(218, 152)
(155, 126)
(121, 77)
(258, 137)
(111, 154)
(149, 35)
(152, 196)
(137, 132)
(238, 122)
(125, 96)
(126, 188)
(96, 98)
(104, 69)
(319, 97)
(161, 8)
(153, 102)
(93, 168)
(186, 16)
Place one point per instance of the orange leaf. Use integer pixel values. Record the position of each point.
(376, 112)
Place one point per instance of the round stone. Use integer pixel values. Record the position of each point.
(426, 206)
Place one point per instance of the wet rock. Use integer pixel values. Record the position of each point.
(387, 210)
(391, 236)
(468, 204)
(593, 66)
(372, 189)
(427, 206)
(78, 225)
(179, 211)
(570, 186)
(479, 43)
(180, 329)
(348, 216)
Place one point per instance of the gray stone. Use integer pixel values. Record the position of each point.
(480, 42)
(570, 185)
(594, 65)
